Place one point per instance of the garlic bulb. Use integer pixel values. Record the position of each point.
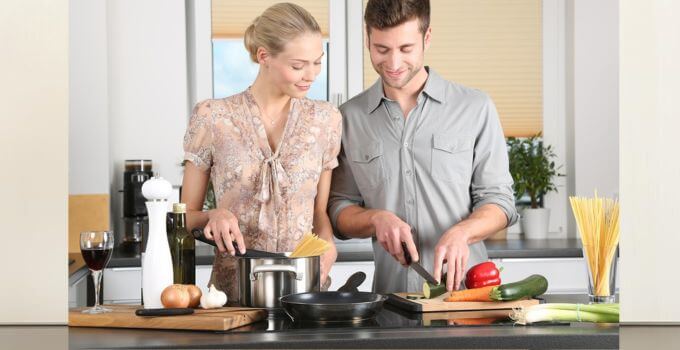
(213, 299)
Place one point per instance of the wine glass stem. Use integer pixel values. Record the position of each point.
(97, 279)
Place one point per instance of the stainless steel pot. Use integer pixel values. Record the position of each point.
(262, 281)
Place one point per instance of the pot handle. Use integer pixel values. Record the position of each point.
(275, 268)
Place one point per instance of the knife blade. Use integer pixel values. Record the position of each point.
(417, 267)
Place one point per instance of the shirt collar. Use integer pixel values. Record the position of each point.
(435, 88)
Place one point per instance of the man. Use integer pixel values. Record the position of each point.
(423, 161)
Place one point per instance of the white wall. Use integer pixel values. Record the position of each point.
(88, 120)
(596, 97)
(649, 167)
(34, 150)
(147, 82)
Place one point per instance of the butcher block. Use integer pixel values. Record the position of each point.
(123, 316)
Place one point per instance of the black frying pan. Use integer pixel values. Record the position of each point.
(345, 305)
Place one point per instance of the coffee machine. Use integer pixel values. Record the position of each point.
(135, 217)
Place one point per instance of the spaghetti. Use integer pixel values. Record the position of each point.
(598, 224)
(310, 245)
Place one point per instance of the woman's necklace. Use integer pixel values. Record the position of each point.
(272, 122)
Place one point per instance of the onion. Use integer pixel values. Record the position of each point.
(195, 294)
(175, 296)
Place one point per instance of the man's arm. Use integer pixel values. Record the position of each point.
(351, 220)
(492, 200)
(453, 246)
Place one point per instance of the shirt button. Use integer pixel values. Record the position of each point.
(408, 172)
(366, 157)
(410, 201)
(405, 144)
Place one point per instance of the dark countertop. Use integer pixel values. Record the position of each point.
(534, 248)
(392, 329)
(511, 248)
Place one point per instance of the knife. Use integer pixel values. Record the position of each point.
(164, 312)
(417, 267)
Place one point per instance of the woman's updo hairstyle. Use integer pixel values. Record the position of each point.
(277, 25)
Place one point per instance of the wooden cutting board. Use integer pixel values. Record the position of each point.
(123, 316)
(438, 304)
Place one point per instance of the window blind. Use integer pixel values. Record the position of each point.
(494, 46)
(230, 18)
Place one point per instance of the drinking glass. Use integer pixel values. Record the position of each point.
(602, 281)
(97, 248)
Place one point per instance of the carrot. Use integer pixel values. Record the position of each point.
(474, 294)
(474, 321)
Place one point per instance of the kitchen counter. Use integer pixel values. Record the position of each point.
(360, 250)
(392, 329)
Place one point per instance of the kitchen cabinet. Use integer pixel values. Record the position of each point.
(343, 269)
(77, 289)
(123, 285)
(565, 275)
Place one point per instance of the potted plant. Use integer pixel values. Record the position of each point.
(532, 170)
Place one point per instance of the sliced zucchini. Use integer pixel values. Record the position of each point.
(414, 296)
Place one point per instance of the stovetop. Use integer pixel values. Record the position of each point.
(389, 317)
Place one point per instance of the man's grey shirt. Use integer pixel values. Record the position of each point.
(431, 169)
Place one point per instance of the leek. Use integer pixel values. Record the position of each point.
(600, 313)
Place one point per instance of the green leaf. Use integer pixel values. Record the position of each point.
(531, 167)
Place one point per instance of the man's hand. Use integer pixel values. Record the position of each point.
(453, 249)
(390, 231)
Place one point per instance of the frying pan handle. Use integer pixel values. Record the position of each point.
(275, 268)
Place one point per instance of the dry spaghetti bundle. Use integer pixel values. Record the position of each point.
(310, 245)
(598, 224)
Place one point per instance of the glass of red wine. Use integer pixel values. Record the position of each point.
(97, 248)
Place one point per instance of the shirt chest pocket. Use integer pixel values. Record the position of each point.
(367, 164)
(452, 158)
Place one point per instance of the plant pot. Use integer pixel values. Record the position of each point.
(534, 223)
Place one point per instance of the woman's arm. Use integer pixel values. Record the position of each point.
(322, 223)
(194, 187)
(218, 224)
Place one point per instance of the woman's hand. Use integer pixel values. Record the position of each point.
(327, 260)
(223, 228)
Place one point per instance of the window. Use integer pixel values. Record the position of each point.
(494, 46)
(233, 71)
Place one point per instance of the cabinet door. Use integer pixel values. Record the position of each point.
(123, 285)
(77, 291)
(341, 271)
(565, 275)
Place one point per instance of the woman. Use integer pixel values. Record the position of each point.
(268, 150)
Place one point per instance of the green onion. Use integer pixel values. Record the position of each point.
(607, 313)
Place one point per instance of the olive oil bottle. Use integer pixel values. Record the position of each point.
(182, 247)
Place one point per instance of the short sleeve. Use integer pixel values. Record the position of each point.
(330, 154)
(198, 139)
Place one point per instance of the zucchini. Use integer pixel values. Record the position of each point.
(531, 286)
(434, 290)
(414, 296)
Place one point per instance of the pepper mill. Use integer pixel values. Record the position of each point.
(157, 261)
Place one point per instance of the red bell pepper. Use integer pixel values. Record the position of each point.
(482, 275)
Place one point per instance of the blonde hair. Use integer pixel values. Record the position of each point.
(277, 25)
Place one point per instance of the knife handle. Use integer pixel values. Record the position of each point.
(164, 312)
(407, 255)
